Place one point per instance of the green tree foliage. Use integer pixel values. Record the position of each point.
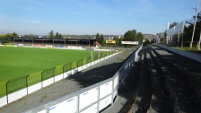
(140, 37)
(51, 34)
(30, 36)
(118, 40)
(57, 35)
(188, 30)
(133, 35)
(60, 35)
(7, 38)
(173, 24)
(146, 42)
(130, 35)
(100, 38)
(13, 34)
(97, 37)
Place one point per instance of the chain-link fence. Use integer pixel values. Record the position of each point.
(14, 85)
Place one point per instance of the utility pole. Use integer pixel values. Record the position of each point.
(197, 8)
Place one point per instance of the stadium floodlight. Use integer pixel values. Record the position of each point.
(197, 10)
(179, 28)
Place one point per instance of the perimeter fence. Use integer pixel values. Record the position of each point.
(14, 85)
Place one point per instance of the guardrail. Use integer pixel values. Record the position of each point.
(94, 98)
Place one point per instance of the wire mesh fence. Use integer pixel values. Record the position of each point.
(34, 78)
(3, 89)
(88, 60)
(67, 67)
(16, 84)
(48, 73)
(80, 62)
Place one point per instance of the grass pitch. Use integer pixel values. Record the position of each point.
(16, 62)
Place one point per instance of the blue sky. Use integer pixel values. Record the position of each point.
(81, 17)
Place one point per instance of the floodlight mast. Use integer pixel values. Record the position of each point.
(198, 44)
(197, 9)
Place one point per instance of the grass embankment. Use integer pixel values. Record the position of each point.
(193, 49)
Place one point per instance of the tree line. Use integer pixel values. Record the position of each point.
(57, 35)
(130, 35)
(7, 38)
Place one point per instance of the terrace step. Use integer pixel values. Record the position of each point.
(144, 89)
(165, 85)
(182, 89)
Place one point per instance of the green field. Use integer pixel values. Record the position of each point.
(16, 62)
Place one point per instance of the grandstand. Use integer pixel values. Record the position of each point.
(55, 41)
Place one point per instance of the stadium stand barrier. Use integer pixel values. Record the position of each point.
(92, 99)
(15, 89)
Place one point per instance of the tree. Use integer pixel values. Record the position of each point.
(51, 34)
(97, 37)
(102, 39)
(188, 30)
(60, 36)
(30, 36)
(7, 38)
(118, 40)
(146, 42)
(173, 24)
(140, 37)
(133, 35)
(57, 35)
(130, 35)
(13, 34)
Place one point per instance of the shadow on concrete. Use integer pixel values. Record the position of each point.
(101, 72)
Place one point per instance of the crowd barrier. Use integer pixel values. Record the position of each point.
(15, 89)
(94, 98)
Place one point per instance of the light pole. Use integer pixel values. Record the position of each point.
(197, 8)
(198, 44)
